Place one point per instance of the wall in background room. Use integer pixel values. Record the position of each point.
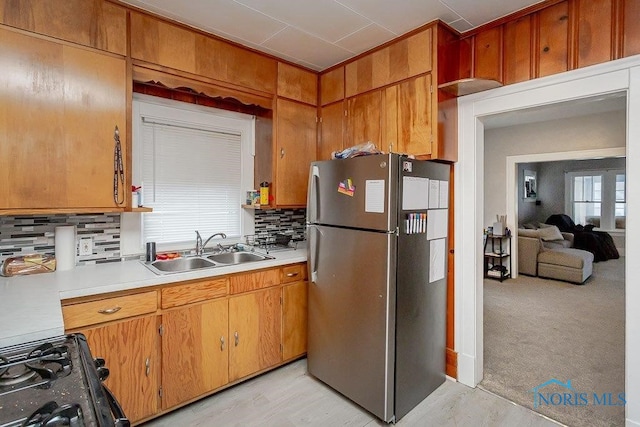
(21, 235)
(597, 131)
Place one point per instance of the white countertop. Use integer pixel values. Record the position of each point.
(30, 305)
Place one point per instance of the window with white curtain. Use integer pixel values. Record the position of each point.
(597, 198)
(194, 165)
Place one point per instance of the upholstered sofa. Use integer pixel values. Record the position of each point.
(543, 254)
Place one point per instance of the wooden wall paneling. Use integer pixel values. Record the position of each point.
(364, 119)
(415, 116)
(487, 58)
(595, 35)
(553, 40)
(446, 55)
(93, 23)
(332, 86)
(631, 28)
(389, 120)
(297, 83)
(517, 50)
(445, 134)
(248, 69)
(331, 130)
(465, 57)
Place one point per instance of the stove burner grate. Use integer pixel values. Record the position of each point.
(46, 362)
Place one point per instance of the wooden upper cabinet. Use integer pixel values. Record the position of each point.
(94, 23)
(159, 42)
(296, 134)
(364, 119)
(595, 35)
(415, 116)
(297, 83)
(331, 130)
(553, 40)
(517, 50)
(332, 86)
(405, 58)
(631, 28)
(59, 110)
(487, 58)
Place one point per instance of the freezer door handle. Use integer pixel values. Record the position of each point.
(313, 202)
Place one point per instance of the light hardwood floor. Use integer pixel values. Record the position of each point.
(288, 397)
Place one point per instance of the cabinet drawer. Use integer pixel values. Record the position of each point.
(106, 310)
(193, 292)
(252, 281)
(293, 273)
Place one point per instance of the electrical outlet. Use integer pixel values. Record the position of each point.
(86, 246)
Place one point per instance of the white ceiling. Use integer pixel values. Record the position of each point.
(320, 33)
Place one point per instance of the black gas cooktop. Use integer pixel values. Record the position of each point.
(55, 382)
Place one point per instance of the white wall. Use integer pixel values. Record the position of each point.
(602, 130)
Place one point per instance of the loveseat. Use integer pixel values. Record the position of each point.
(549, 254)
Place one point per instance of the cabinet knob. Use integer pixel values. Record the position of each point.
(237, 338)
(282, 153)
(147, 366)
(222, 343)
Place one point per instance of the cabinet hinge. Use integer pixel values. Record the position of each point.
(431, 88)
(281, 348)
(280, 300)
(161, 330)
(345, 113)
(160, 392)
(318, 119)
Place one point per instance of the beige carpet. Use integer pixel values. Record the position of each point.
(537, 329)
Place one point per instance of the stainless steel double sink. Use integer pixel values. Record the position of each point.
(182, 265)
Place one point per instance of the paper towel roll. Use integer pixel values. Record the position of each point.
(65, 247)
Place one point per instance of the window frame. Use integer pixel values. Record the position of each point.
(607, 197)
(132, 233)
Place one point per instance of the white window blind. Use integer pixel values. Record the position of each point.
(192, 178)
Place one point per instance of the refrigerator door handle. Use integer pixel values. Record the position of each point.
(313, 203)
(314, 240)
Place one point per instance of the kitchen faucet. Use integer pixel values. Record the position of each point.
(200, 246)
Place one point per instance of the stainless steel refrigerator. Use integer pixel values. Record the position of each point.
(377, 231)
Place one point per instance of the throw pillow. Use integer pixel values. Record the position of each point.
(550, 233)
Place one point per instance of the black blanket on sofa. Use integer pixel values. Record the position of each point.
(599, 243)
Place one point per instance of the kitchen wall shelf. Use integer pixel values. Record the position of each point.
(497, 257)
(142, 209)
(257, 207)
(468, 86)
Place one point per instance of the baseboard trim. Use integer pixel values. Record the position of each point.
(452, 364)
(631, 423)
(466, 370)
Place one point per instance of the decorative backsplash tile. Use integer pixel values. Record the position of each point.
(288, 221)
(21, 235)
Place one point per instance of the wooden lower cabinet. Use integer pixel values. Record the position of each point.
(294, 320)
(255, 332)
(131, 352)
(194, 351)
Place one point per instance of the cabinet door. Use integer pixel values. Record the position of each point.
(488, 54)
(363, 119)
(631, 28)
(130, 350)
(255, 332)
(295, 150)
(415, 116)
(595, 36)
(517, 50)
(553, 39)
(59, 109)
(331, 130)
(194, 351)
(294, 320)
